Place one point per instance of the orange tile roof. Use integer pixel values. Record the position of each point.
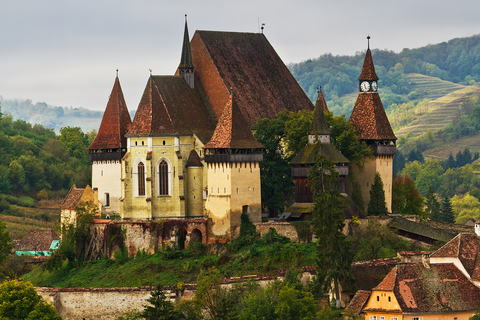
(369, 118)
(170, 107)
(358, 302)
(246, 62)
(115, 122)
(73, 198)
(437, 289)
(232, 131)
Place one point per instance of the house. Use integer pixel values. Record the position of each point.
(419, 291)
(75, 197)
(372, 126)
(38, 242)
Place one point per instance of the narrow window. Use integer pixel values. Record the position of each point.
(107, 199)
(141, 179)
(163, 178)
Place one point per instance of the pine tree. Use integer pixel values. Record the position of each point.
(357, 197)
(161, 308)
(433, 206)
(446, 210)
(334, 257)
(377, 205)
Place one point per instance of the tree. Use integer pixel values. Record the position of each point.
(377, 205)
(6, 245)
(446, 210)
(333, 255)
(19, 300)
(275, 172)
(432, 206)
(75, 142)
(357, 197)
(405, 197)
(160, 307)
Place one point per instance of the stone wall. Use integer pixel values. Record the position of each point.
(285, 229)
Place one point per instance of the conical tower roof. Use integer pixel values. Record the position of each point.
(319, 124)
(368, 69)
(232, 131)
(186, 61)
(116, 122)
(193, 160)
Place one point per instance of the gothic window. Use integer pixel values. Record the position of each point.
(141, 179)
(163, 178)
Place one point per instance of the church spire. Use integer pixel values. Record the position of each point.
(185, 68)
(321, 100)
(319, 128)
(368, 69)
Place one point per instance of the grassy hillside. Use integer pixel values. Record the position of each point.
(443, 110)
(430, 87)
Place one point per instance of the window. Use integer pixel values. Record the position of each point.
(373, 317)
(163, 178)
(141, 179)
(107, 199)
(382, 318)
(394, 318)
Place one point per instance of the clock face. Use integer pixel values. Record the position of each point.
(365, 86)
(374, 86)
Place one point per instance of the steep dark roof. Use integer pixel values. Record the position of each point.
(369, 118)
(358, 302)
(439, 288)
(194, 160)
(422, 229)
(246, 62)
(73, 198)
(232, 131)
(319, 124)
(37, 240)
(306, 156)
(170, 107)
(465, 247)
(368, 69)
(321, 101)
(186, 59)
(116, 122)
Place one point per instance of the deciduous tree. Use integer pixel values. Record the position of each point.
(405, 197)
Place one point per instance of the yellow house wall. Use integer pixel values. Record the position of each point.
(106, 177)
(440, 316)
(218, 203)
(379, 300)
(384, 166)
(247, 180)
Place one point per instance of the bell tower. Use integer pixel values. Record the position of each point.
(372, 126)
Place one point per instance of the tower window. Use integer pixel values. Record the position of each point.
(107, 199)
(163, 178)
(141, 179)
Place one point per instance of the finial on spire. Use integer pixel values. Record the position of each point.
(368, 42)
(150, 71)
(263, 26)
(117, 73)
(319, 89)
(231, 91)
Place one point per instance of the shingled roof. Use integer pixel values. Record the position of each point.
(232, 131)
(437, 289)
(73, 198)
(319, 124)
(186, 59)
(321, 101)
(37, 240)
(246, 62)
(465, 247)
(115, 122)
(170, 107)
(368, 115)
(359, 300)
(194, 160)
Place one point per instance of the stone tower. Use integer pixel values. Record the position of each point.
(107, 150)
(372, 126)
(233, 159)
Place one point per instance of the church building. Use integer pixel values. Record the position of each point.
(189, 152)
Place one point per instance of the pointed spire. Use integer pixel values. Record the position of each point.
(232, 131)
(319, 124)
(186, 60)
(116, 122)
(368, 69)
(194, 160)
(321, 100)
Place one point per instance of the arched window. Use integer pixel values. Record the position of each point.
(141, 179)
(163, 178)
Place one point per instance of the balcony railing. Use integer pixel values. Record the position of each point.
(220, 158)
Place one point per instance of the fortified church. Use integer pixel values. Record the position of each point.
(189, 152)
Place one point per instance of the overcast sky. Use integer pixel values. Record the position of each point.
(65, 52)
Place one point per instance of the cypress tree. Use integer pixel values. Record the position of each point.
(433, 206)
(446, 210)
(377, 205)
(357, 197)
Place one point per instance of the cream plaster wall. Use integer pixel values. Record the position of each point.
(106, 177)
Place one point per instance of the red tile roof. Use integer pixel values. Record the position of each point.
(465, 247)
(37, 240)
(115, 122)
(170, 107)
(388, 283)
(358, 302)
(232, 131)
(437, 289)
(73, 198)
(194, 160)
(369, 118)
(368, 69)
(246, 62)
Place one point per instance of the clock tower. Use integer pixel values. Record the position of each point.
(372, 126)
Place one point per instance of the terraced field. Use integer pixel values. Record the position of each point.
(449, 102)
